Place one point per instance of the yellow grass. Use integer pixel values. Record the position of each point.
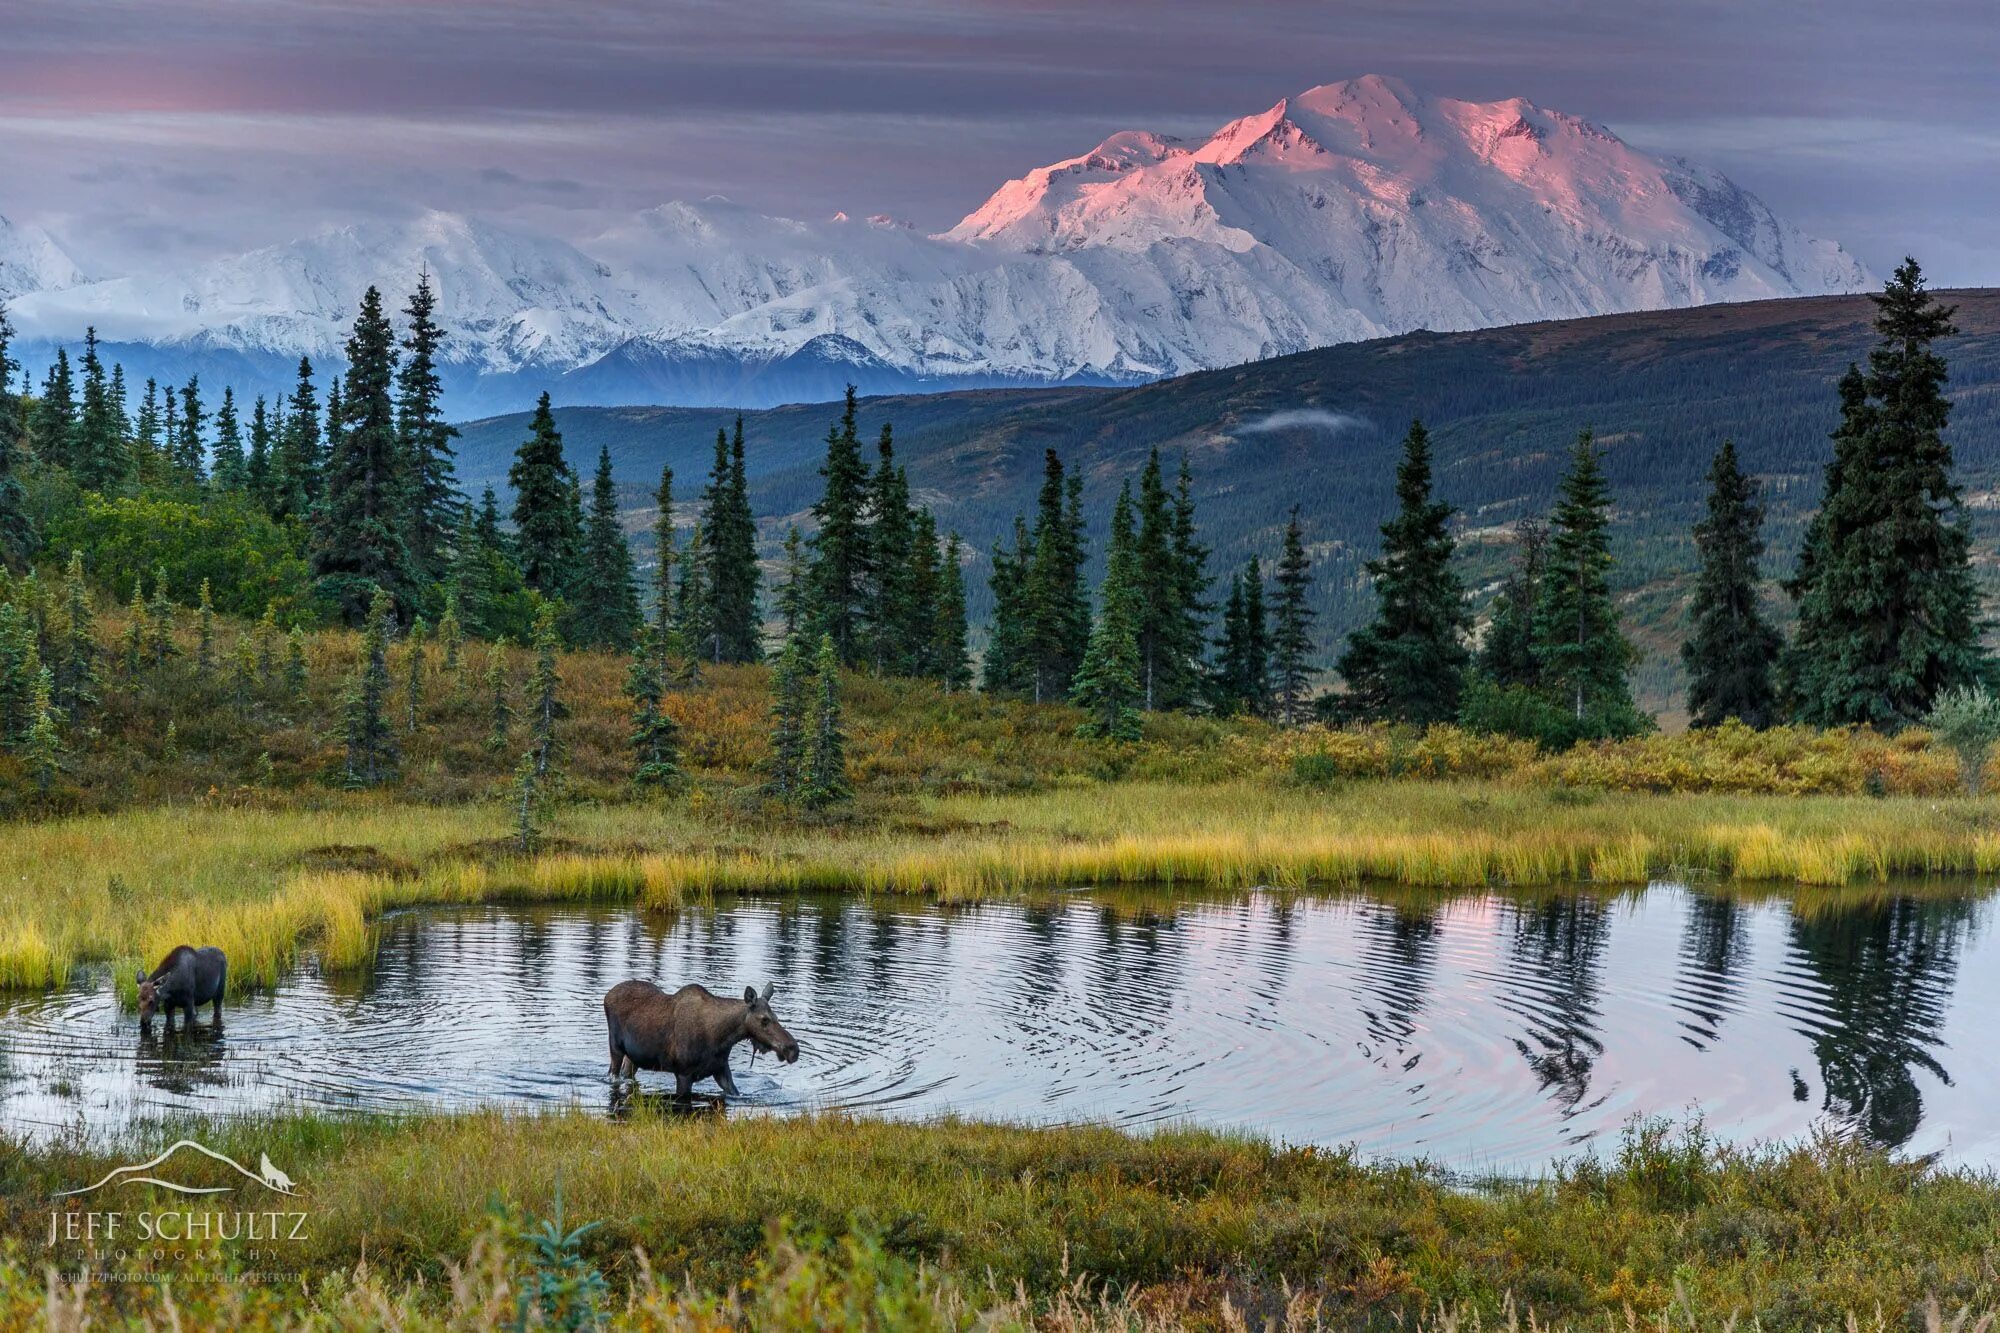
(262, 883)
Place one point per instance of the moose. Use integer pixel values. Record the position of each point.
(186, 977)
(690, 1033)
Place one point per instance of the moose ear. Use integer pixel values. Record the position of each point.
(749, 995)
(140, 976)
(769, 986)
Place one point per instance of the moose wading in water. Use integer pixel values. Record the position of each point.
(690, 1033)
(186, 977)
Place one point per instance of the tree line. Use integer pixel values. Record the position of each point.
(1888, 618)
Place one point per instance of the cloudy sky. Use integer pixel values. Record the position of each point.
(138, 130)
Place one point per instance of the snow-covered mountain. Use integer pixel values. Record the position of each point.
(1353, 210)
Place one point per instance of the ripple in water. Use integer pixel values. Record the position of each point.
(1486, 1032)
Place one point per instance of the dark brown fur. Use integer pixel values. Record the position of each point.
(690, 1033)
(186, 977)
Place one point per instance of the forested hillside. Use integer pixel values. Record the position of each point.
(1321, 429)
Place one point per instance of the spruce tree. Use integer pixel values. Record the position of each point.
(604, 610)
(1731, 649)
(1291, 629)
(729, 556)
(135, 631)
(359, 542)
(257, 473)
(160, 646)
(55, 415)
(188, 456)
(230, 470)
(298, 675)
(372, 755)
(296, 484)
(950, 661)
(1055, 610)
(693, 605)
(789, 689)
(76, 678)
(1409, 663)
(41, 746)
(98, 456)
(656, 737)
(665, 633)
(499, 710)
(1888, 609)
(267, 646)
(545, 707)
(1107, 685)
(20, 670)
(204, 638)
(547, 527)
(1005, 668)
(170, 437)
(795, 593)
(1582, 654)
(451, 640)
(894, 637)
(1191, 565)
(426, 438)
(1507, 654)
(18, 543)
(1167, 656)
(148, 461)
(416, 656)
(824, 781)
(842, 561)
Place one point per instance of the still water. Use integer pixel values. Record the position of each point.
(1485, 1031)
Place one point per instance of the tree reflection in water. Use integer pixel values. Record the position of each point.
(1558, 942)
(1881, 978)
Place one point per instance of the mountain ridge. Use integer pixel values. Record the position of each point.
(1349, 211)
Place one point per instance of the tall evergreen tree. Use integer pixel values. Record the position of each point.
(842, 561)
(426, 437)
(545, 706)
(257, 474)
(1191, 564)
(1107, 686)
(1005, 668)
(693, 605)
(18, 542)
(1055, 615)
(656, 737)
(1409, 663)
(950, 662)
(1507, 654)
(76, 677)
(1242, 673)
(795, 593)
(98, 455)
(372, 755)
(894, 637)
(729, 556)
(604, 609)
(296, 486)
(359, 528)
(1582, 654)
(189, 455)
(230, 470)
(665, 634)
(824, 780)
(547, 529)
(1169, 638)
(1888, 610)
(785, 775)
(1731, 649)
(55, 415)
(147, 461)
(1291, 629)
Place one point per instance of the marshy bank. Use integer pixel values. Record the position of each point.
(800, 1223)
(262, 883)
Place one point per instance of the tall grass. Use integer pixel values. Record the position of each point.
(263, 883)
(804, 1223)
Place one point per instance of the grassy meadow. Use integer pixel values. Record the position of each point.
(705, 1222)
(212, 810)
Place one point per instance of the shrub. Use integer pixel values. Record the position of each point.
(1967, 720)
(249, 562)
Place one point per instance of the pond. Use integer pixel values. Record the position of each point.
(1488, 1032)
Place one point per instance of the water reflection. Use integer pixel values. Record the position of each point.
(1485, 1030)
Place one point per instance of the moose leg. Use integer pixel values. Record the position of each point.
(617, 1060)
(724, 1081)
(215, 1014)
(683, 1087)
